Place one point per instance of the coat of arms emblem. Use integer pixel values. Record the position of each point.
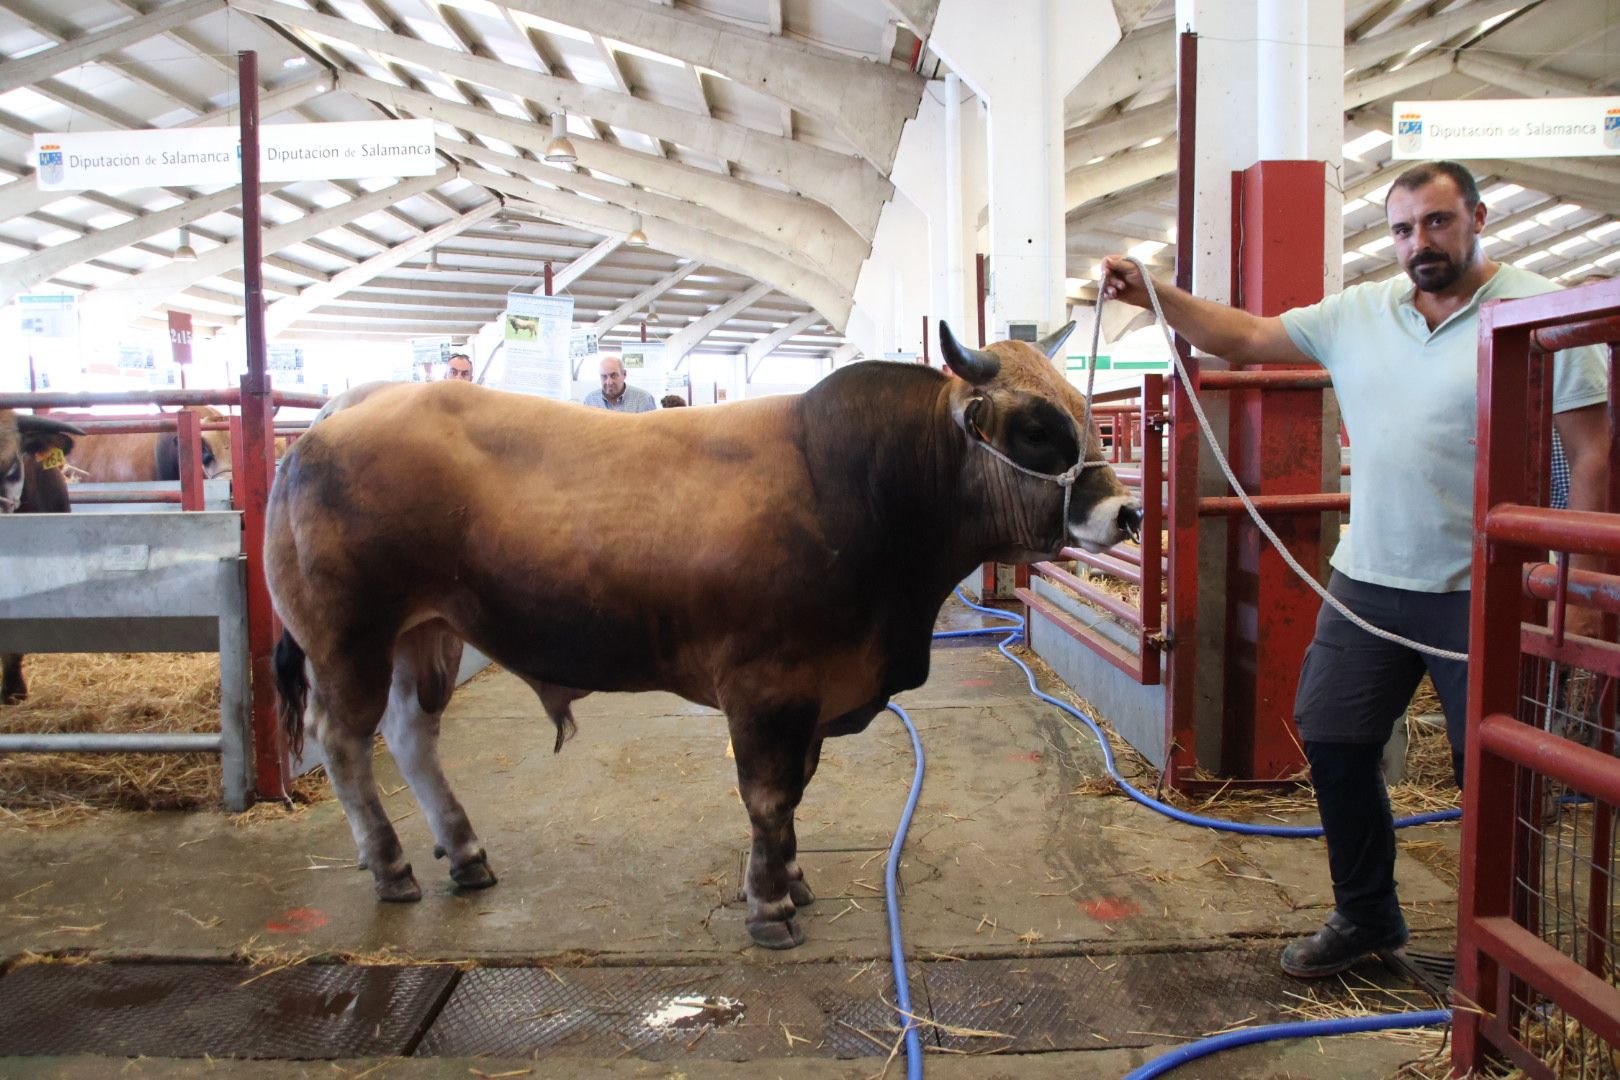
(51, 164)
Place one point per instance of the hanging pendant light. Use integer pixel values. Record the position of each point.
(559, 149)
(185, 252)
(637, 238)
(652, 313)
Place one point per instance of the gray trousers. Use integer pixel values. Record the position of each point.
(1352, 688)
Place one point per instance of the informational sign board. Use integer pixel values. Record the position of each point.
(644, 366)
(1508, 128)
(180, 337)
(201, 156)
(428, 357)
(582, 345)
(538, 332)
(46, 315)
(285, 364)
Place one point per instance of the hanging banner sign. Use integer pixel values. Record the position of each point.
(537, 332)
(199, 156)
(47, 315)
(180, 336)
(1508, 128)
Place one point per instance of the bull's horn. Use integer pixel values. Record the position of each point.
(975, 365)
(1052, 342)
(29, 424)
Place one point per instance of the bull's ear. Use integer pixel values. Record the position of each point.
(1052, 342)
(44, 432)
(977, 366)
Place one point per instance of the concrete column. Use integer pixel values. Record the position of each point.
(1270, 88)
(1023, 59)
(952, 309)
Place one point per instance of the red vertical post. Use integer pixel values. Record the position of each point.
(188, 434)
(1152, 492)
(1181, 693)
(1486, 889)
(1276, 449)
(253, 457)
(548, 277)
(981, 271)
(925, 341)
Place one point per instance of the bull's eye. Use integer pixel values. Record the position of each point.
(14, 474)
(207, 456)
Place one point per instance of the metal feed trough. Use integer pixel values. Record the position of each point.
(134, 582)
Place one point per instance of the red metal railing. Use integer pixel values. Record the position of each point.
(1536, 978)
(253, 465)
(1138, 422)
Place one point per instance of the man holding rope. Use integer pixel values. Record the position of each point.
(1403, 355)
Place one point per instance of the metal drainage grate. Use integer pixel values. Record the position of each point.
(192, 1010)
(725, 1013)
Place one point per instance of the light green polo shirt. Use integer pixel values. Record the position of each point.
(1408, 396)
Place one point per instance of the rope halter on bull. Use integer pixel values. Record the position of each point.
(981, 365)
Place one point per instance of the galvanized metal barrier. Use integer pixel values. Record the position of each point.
(134, 583)
(1537, 945)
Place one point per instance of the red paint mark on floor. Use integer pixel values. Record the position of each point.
(975, 682)
(1033, 755)
(297, 920)
(1111, 909)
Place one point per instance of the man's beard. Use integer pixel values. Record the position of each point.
(1433, 271)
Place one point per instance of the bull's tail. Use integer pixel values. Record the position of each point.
(292, 687)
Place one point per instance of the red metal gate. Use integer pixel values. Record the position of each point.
(1536, 976)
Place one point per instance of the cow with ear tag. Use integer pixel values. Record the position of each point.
(32, 450)
(782, 560)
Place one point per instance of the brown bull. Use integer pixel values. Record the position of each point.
(153, 456)
(782, 560)
(31, 482)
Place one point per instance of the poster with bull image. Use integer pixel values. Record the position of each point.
(536, 332)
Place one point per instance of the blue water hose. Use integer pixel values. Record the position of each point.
(891, 896)
(1159, 1066)
(1298, 1030)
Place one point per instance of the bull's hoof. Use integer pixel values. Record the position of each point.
(400, 890)
(777, 935)
(799, 892)
(474, 873)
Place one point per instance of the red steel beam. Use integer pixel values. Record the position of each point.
(1090, 593)
(1586, 587)
(1310, 503)
(1580, 531)
(78, 495)
(1108, 650)
(188, 436)
(1266, 379)
(1579, 767)
(1113, 567)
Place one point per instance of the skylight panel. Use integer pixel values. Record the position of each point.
(1358, 147)
(549, 27)
(645, 54)
(1556, 213)
(1517, 229)
(1532, 258)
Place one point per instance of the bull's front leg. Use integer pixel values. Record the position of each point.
(773, 756)
(13, 687)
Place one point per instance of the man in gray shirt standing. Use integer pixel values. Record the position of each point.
(617, 395)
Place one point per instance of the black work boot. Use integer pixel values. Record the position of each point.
(1337, 946)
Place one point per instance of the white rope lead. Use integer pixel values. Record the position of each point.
(1231, 478)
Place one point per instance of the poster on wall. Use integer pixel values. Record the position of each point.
(428, 358)
(285, 364)
(46, 315)
(644, 366)
(537, 332)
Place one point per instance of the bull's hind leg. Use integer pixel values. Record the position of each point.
(425, 663)
(798, 888)
(773, 756)
(13, 687)
(347, 707)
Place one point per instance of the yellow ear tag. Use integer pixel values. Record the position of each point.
(52, 458)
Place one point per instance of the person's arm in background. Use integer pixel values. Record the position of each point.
(1230, 333)
(1585, 432)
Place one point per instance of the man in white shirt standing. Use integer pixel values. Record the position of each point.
(616, 394)
(1403, 355)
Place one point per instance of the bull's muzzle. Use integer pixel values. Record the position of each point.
(1130, 519)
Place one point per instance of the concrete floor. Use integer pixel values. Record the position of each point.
(627, 847)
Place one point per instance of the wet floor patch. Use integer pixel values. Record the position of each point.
(218, 1010)
(657, 1013)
